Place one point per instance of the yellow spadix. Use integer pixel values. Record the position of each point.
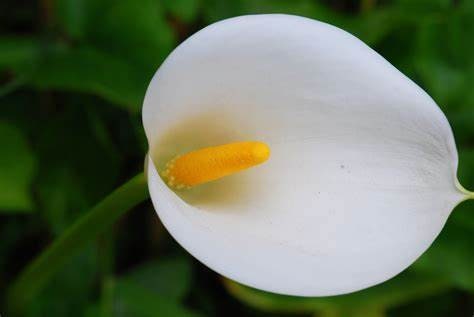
(211, 163)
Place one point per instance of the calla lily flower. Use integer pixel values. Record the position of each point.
(354, 165)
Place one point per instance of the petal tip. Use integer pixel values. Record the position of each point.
(466, 193)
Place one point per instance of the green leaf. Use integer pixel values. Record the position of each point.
(73, 16)
(93, 310)
(401, 289)
(463, 215)
(440, 305)
(17, 169)
(443, 58)
(461, 119)
(155, 288)
(68, 293)
(84, 152)
(451, 256)
(131, 299)
(307, 8)
(185, 10)
(92, 71)
(424, 6)
(135, 30)
(216, 10)
(169, 278)
(443, 80)
(374, 26)
(466, 166)
(61, 198)
(17, 51)
(368, 312)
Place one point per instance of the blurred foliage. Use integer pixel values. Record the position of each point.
(17, 169)
(73, 74)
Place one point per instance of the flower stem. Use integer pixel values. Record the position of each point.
(32, 279)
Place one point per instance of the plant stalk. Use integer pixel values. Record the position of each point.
(36, 275)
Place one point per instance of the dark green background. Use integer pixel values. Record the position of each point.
(72, 78)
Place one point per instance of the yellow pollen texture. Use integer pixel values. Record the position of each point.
(211, 163)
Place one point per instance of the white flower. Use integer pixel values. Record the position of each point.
(362, 175)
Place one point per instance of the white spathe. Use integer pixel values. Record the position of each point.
(362, 175)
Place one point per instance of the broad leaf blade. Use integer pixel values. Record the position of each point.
(17, 169)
